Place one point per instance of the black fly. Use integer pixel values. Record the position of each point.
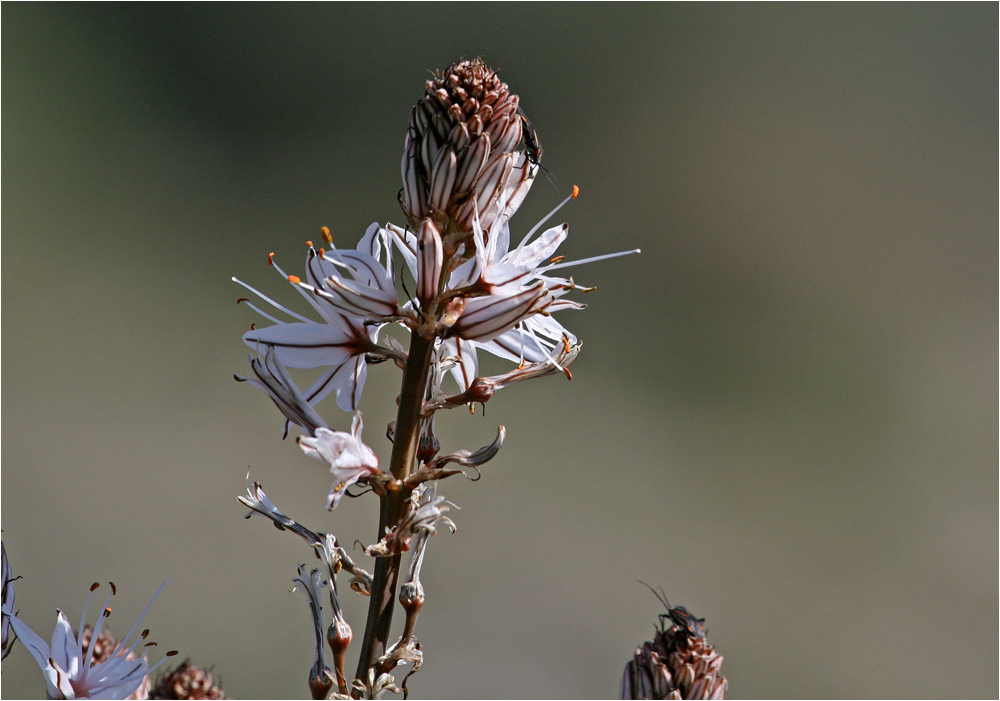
(532, 149)
(678, 615)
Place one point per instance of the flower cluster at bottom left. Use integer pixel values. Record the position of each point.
(89, 663)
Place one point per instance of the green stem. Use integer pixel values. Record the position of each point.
(404, 449)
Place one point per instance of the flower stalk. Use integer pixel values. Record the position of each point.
(404, 451)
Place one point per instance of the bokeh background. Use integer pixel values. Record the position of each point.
(786, 409)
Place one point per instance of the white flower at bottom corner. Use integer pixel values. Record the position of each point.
(349, 459)
(70, 671)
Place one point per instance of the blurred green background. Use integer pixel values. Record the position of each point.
(786, 408)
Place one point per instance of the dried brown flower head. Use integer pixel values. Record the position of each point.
(186, 681)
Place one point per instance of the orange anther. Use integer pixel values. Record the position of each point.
(325, 233)
(94, 586)
(294, 279)
(558, 259)
(569, 375)
(322, 254)
(269, 258)
(565, 340)
(576, 191)
(107, 612)
(309, 243)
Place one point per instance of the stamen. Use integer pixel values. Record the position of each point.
(274, 304)
(270, 258)
(548, 216)
(309, 244)
(592, 259)
(95, 634)
(569, 375)
(294, 279)
(114, 589)
(558, 259)
(121, 644)
(83, 619)
(325, 233)
(253, 325)
(242, 299)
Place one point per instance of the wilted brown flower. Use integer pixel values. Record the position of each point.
(676, 665)
(186, 681)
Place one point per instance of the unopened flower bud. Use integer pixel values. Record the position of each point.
(459, 160)
(430, 258)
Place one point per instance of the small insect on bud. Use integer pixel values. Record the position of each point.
(679, 662)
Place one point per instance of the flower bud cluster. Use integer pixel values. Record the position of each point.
(459, 157)
(187, 681)
(675, 665)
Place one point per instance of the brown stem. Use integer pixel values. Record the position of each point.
(404, 449)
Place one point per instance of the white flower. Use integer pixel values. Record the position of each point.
(348, 457)
(69, 670)
(342, 340)
(513, 320)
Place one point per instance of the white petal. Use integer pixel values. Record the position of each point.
(65, 650)
(38, 648)
(305, 345)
